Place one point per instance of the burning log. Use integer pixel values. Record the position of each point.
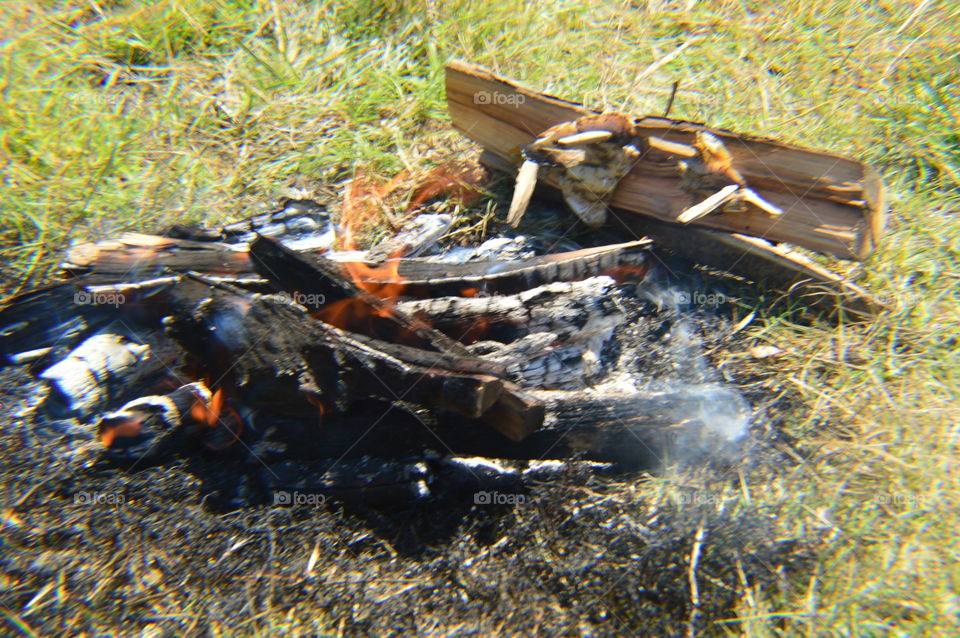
(830, 203)
(146, 428)
(318, 278)
(420, 278)
(237, 334)
(430, 279)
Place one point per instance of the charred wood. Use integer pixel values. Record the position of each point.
(317, 277)
(237, 337)
(97, 372)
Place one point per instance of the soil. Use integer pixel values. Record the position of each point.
(179, 548)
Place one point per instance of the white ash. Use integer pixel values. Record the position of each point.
(479, 463)
(418, 236)
(563, 328)
(96, 371)
(302, 224)
(497, 248)
(571, 308)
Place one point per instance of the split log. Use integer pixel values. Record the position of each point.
(135, 256)
(763, 263)
(754, 259)
(831, 203)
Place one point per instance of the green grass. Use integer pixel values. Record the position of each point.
(122, 115)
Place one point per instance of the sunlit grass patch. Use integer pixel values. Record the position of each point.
(133, 115)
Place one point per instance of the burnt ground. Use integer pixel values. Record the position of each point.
(158, 551)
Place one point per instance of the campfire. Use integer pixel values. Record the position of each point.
(376, 370)
(237, 341)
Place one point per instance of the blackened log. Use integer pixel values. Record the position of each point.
(417, 235)
(366, 481)
(425, 279)
(643, 430)
(48, 319)
(147, 428)
(268, 340)
(319, 278)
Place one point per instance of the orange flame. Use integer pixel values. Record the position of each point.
(365, 204)
(627, 272)
(127, 428)
(217, 414)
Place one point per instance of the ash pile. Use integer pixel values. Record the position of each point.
(430, 434)
(377, 375)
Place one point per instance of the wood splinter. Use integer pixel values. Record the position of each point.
(587, 157)
(709, 158)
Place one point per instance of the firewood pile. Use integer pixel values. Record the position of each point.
(364, 371)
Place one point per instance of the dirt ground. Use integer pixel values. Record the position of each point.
(160, 551)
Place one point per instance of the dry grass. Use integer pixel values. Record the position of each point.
(122, 115)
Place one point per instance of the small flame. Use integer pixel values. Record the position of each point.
(208, 413)
(128, 428)
(217, 414)
(627, 272)
(364, 205)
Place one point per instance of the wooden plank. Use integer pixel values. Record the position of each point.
(831, 203)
